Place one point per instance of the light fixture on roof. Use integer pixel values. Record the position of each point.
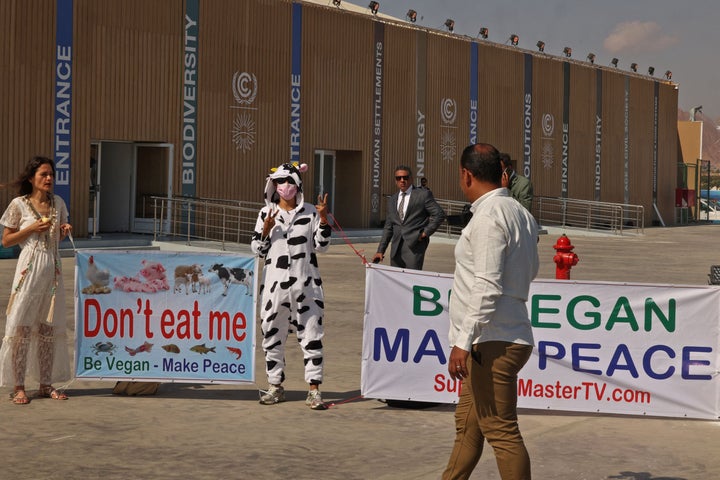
(450, 24)
(411, 15)
(374, 7)
(614, 62)
(668, 74)
(567, 51)
(484, 32)
(514, 40)
(541, 46)
(336, 3)
(651, 71)
(633, 67)
(591, 57)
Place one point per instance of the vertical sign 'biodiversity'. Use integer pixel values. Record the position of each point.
(190, 78)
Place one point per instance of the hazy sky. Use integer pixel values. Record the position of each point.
(681, 36)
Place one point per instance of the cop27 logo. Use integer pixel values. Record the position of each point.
(448, 142)
(547, 153)
(244, 90)
(448, 111)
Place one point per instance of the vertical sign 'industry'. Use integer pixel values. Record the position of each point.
(473, 92)
(295, 71)
(527, 115)
(63, 98)
(656, 112)
(378, 71)
(190, 77)
(626, 144)
(598, 133)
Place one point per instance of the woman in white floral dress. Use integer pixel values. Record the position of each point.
(35, 341)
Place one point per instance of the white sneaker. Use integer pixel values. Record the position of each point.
(274, 394)
(314, 400)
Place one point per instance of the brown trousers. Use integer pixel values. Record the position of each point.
(487, 409)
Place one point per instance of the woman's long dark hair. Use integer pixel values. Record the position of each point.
(23, 183)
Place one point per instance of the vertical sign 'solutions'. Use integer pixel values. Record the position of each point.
(527, 115)
(63, 98)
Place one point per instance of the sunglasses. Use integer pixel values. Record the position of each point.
(280, 181)
(402, 177)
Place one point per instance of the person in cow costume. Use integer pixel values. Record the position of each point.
(288, 234)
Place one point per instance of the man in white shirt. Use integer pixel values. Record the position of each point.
(490, 333)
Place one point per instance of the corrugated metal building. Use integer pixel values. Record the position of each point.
(202, 97)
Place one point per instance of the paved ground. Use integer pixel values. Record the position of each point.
(220, 431)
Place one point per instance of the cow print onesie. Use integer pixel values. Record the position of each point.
(291, 291)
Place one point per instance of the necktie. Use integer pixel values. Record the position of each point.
(401, 206)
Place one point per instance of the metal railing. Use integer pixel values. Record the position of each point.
(218, 220)
(601, 216)
(565, 212)
(229, 221)
(457, 216)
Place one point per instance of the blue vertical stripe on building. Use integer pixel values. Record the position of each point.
(527, 115)
(473, 92)
(63, 98)
(295, 82)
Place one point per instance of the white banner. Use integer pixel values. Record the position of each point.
(600, 346)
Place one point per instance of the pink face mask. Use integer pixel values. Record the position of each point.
(286, 190)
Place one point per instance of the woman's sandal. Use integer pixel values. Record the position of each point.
(19, 397)
(50, 392)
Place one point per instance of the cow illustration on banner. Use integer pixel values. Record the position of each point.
(165, 316)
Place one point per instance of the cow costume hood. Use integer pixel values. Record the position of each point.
(292, 170)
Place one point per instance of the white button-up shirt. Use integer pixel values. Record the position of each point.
(496, 259)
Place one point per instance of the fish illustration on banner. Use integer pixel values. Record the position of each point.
(127, 302)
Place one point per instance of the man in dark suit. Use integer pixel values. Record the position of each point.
(412, 216)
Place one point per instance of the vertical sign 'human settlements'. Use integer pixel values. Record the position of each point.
(189, 131)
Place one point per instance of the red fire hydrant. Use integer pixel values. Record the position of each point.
(565, 259)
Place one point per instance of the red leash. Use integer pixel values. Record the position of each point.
(335, 225)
